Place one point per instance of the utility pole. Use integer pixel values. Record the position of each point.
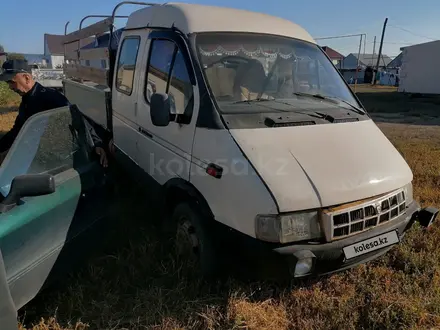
(374, 46)
(365, 44)
(357, 65)
(380, 51)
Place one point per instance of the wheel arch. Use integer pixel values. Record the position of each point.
(179, 190)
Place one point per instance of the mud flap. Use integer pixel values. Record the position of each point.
(8, 313)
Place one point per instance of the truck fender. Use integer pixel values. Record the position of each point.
(178, 190)
(8, 312)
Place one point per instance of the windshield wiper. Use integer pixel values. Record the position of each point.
(354, 108)
(331, 98)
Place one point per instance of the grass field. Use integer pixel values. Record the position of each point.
(136, 283)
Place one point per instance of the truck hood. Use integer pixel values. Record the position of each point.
(316, 166)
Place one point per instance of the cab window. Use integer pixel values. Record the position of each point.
(127, 65)
(168, 73)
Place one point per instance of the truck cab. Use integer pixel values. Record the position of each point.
(246, 128)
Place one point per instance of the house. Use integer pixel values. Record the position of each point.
(365, 60)
(334, 56)
(419, 71)
(366, 64)
(395, 64)
(54, 49)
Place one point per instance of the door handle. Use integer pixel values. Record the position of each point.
(144, 132)
(135, 109)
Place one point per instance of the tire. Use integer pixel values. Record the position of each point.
(194, 241)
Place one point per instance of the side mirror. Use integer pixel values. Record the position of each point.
(160, 109)
(26, 186)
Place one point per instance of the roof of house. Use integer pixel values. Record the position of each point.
(333, 54)
(396, 62)
(371, 60)
(55, 43)
(192, 18)
(429, 43)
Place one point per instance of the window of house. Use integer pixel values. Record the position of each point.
(168, 73)
(103, 64)
(127, 65)
(87, 62)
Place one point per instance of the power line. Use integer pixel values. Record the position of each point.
(415, 34)
(341, 36)
(395, 43)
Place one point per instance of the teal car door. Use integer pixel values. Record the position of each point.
(33, 232)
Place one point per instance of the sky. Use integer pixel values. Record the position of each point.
(409, 21)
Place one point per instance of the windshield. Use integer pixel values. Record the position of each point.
(247, 67)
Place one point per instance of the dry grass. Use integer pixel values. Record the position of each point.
(9, 102)
(136, 283)
(7, 97)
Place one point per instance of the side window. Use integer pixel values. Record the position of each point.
(161, 56)
(45, 143)
(180, 89)
(127, 64)
(168, 73)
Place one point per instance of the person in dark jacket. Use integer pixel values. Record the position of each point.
(34, 99)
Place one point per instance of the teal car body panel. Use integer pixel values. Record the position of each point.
(33, 234)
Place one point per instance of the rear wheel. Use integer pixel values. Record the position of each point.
(193, 240)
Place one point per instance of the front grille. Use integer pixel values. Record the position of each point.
(355, 219)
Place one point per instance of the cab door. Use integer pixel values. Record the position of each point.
(35, 229)
(165, 152)
(124, 94)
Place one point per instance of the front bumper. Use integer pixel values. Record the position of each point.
(330, 258)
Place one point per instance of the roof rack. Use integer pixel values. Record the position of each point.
(72, 59)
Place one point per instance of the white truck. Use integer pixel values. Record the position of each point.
(249, 134)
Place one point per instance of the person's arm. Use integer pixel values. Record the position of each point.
(88, 132)
(96, 141)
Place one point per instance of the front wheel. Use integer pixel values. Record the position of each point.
(194, 241)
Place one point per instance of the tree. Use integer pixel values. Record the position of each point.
(15, 56)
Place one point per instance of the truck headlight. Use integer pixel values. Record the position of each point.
(408, 190)
(286, 228)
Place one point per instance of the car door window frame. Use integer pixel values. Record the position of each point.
(179, 45)
(56, 170)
